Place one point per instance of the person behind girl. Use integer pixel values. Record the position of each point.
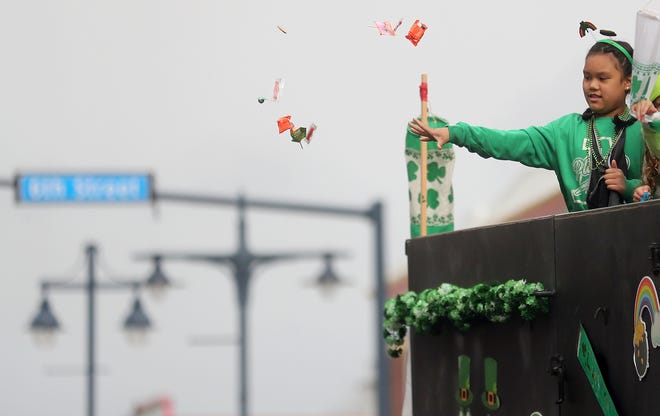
(651, 166)
(597, 155)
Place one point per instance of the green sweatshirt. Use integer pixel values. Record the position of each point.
(561, 146)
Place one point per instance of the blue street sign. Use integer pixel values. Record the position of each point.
(48, 188)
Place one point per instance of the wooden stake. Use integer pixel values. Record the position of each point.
(423, 154)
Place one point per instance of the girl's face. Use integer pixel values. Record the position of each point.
(604, 85)
(656, 103)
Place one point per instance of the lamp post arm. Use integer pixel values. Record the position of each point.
(259, 203)
(311, 208)
(112, 285)
(195, 257)
(62, 284)
(194, 198)
(270, 258)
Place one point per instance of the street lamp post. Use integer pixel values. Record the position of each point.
(243, 263)
(45, 322)
(373, 214)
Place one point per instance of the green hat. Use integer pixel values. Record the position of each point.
(656, 89)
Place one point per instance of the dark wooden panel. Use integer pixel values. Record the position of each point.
(601, 257)
(522, 351)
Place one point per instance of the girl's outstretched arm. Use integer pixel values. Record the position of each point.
(428, 134)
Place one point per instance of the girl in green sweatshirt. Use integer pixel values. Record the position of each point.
(597, 155)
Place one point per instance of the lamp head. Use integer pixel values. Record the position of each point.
(137, 323)
(44, 324)
(157, 282)
(328, 280)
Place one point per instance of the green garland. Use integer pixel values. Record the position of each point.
(460, 307)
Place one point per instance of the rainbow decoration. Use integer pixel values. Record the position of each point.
(646, 298)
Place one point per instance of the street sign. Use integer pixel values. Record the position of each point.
(84, 188)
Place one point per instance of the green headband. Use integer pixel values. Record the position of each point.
(619, 47)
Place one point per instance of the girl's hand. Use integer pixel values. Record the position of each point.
(643, 108)
(428, 134)
(639, 192)
(615, 179)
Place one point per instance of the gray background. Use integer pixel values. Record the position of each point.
(171, 87)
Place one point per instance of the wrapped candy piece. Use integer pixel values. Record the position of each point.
(416, 32)
(284, 123)
(298, 134)
(279, 84)
(310, 131)
(385, 28)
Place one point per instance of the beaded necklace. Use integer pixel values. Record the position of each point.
(596, 158)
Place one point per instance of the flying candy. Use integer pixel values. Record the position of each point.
(416, 32)
(385, 28)
(298, 134)
(284, 123)
(281, 29)
(310, 131)
(279, 85)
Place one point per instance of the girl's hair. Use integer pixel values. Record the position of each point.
(605, 48)
(651, 169)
